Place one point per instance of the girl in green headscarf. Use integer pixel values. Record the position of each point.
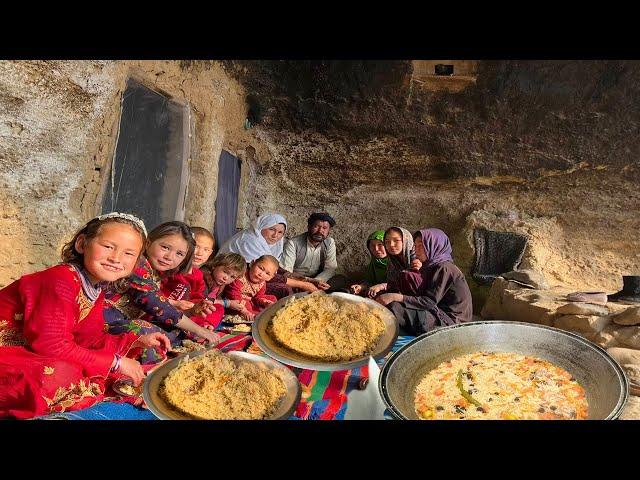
(376, 270)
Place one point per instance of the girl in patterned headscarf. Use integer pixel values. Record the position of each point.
(376, 270)
(402, 256)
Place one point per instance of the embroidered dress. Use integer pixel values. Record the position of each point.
(140, 307)
(54, 353)
(249, 293)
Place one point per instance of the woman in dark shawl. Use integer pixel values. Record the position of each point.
(438, 295)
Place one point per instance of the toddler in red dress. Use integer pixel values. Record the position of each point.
(250, 289)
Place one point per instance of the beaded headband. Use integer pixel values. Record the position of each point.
(125, 216)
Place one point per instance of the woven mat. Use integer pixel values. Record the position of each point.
(324, 395)
(496, 253)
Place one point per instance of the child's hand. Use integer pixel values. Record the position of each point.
(416, 264)
(155, 339)
(247, 315)
(204, 308)
(265, 302)
(182, 305)
(210, 336)
(132, 369)
(319, 283)
(236, 305)
(308, 287)
(355, 289)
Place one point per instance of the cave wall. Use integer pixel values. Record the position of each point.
(545, 148)
(58, 128)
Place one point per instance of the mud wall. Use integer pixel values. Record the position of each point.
(58, 127)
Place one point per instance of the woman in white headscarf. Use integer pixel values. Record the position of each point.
(264, 237)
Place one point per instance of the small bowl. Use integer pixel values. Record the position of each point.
(123, 387)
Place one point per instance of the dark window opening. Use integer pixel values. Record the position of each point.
(227, 197)
(149, 171)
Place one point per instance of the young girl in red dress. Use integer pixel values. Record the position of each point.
(184, 291)
(54, 353)
(250, 289)
(220, 272)
(137, 305)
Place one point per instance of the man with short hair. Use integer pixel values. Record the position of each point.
(312, 255)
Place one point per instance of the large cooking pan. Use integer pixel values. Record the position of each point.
(602, 378)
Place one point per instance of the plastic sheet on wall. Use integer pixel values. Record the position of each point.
(148, 175)
(227, 197)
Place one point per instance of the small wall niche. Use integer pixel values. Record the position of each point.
(444, 75)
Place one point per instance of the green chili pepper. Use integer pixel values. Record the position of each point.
(466, 394)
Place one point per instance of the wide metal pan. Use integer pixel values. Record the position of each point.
(604, 381)
(164, 412)
(276, 351)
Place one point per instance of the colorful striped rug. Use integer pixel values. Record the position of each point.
(324, 394)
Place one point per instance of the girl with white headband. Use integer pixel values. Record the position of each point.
(54, 353)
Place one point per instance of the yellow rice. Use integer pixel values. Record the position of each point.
(213, 386)
(322, 327)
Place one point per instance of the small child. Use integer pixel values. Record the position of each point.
(250, 289)
(219, 272)
(137, 305)
(184, 291)
(54, 353)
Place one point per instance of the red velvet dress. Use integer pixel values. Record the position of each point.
(188, 286)
(54, 352)
(249, 293)
(192, 287)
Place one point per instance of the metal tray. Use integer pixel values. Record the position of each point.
(271, 348)
(160, 409)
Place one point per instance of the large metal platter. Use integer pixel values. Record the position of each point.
(164, 412)
(602, 378)
(271, 348)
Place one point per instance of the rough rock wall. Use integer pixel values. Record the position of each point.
(58, 127)
(550, 149)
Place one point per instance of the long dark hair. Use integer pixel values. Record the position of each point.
(172, 228)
